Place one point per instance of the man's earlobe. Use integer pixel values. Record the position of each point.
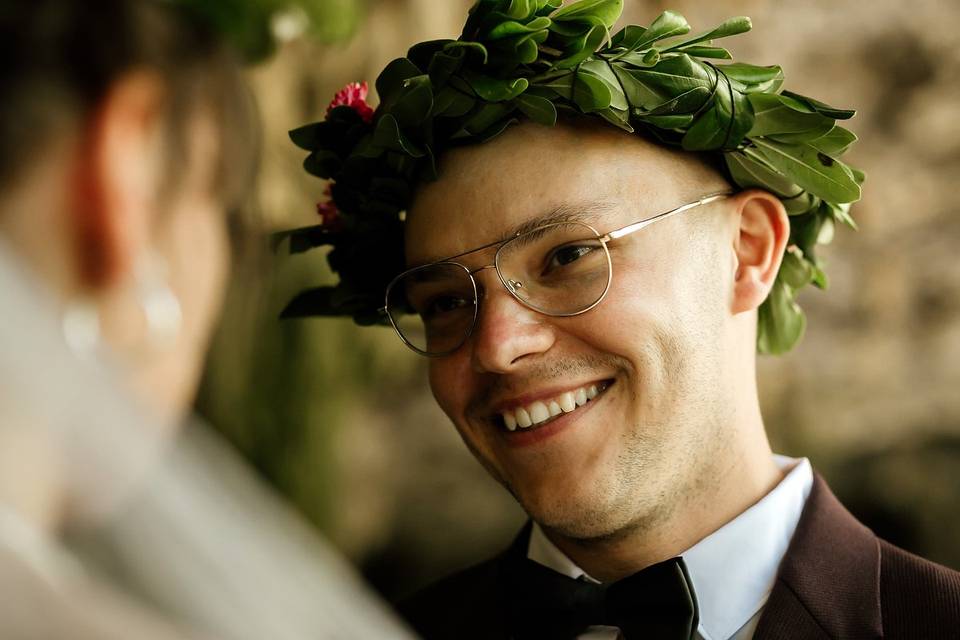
(118, 171)
(762, 233)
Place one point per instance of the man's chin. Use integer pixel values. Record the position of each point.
(575, 517)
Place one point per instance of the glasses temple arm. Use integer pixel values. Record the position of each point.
(636, 226)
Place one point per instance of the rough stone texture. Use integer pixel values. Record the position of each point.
(872, 394)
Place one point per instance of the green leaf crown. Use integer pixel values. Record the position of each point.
(530, 59)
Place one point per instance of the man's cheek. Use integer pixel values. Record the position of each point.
(444, 392)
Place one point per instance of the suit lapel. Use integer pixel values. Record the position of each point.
(828, 585)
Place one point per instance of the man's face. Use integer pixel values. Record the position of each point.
(653, 349)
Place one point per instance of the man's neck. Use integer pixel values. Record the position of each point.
(742, 483)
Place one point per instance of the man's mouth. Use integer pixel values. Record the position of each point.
(546, 410)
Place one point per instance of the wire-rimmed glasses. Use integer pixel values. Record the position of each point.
(559, 269)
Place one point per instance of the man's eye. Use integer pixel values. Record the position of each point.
(563, 256)
(443, 304)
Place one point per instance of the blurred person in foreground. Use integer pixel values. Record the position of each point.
(591, 235)
(125, 138)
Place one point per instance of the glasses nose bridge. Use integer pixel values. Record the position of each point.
(510, 285)
(474, 272)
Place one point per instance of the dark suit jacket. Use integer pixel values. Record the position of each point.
(837, 581)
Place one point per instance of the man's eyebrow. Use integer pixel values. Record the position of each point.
(583, 212)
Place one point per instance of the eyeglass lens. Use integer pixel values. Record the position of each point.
(560, 269)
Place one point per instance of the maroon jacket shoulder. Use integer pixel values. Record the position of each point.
(918, 598)
(839, 581)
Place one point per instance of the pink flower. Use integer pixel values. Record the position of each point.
(354, 95)
(328, 212)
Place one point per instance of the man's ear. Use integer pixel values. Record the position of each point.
(117, 179)
(762, 232)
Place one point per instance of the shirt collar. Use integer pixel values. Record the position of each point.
(734, 568)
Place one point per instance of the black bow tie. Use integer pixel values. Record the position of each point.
(657, 603)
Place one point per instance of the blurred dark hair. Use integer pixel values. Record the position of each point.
(59, 58)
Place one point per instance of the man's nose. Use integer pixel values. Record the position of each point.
(506, 331)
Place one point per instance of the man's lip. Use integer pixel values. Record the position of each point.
(523, 438)
(543, 394)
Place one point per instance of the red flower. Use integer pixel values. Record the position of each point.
(354, 95)
(328, 212)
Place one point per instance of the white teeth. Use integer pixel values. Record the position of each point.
(539, 412)
(523, 418)
(543, 410)
(581, 397)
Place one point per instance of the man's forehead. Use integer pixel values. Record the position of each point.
(432, 244)
(531, 175)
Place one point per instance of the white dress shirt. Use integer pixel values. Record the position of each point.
(733, 569)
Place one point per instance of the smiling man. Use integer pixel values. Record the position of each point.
(591, 236)
(637, 419)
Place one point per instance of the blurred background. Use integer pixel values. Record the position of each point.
(340, 419)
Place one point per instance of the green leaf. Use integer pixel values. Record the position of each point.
(639, 95)
(388, 135)
(590, 93)
(486, 116)
(780, 321)
(667, 25)
(795, 271)
(820, 107)
(546, 7)
(674, 76)
(751, 74)
(311, 302)
(571, 30)
(561, 84)
(689, 102)
(617, 118)
(812, 170)
(391, 79)
(494, 89)
(411, 106)
(648, 58)
(443, 65)
(521, 9)
(801, 204)
(724, 125)
(754, 172)
(731, 27)
(774, 115)
(510, 28)
(471, 48)
(451, 103)
(538, 109)
(602, 70)
(834, 143)
(680, 122)
(420, 54)
(707, 52)
(583, 49)
(608, 11)
(322, 163)
(841, 213)
(306, 137)
(628, 37)
(302, 239)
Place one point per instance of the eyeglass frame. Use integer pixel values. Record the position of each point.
(603, 239)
